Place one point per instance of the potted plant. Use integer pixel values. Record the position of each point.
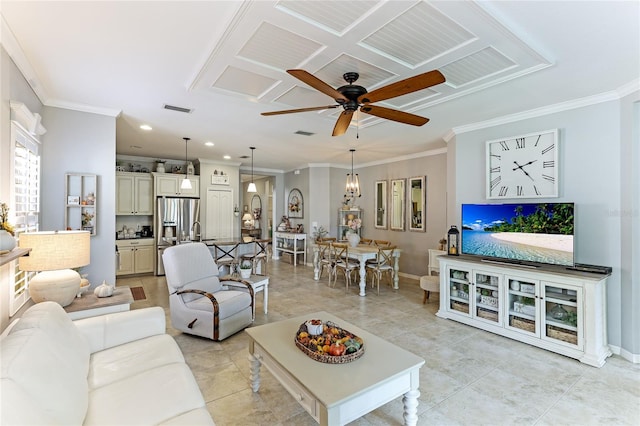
(245, 270)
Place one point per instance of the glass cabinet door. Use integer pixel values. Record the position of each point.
(522, 305)
(459, 290)
(562, 314)
(487, 306)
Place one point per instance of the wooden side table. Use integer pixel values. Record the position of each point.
(89, 305)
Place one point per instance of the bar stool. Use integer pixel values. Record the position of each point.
(259, 255)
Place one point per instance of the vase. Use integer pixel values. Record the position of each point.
(245, 273)
(353, 238)
(7, 242)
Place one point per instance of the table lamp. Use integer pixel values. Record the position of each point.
(248, 220)
(53, 253)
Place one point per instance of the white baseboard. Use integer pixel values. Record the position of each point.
(413, 277)
(617, 350)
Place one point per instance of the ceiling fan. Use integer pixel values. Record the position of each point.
(351, 97)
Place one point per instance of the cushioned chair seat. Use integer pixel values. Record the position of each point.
(230, 302)
(429, 283)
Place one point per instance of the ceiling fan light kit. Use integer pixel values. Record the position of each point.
(352, 97)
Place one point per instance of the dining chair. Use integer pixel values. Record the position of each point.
(381, 243)
(430, 283)
(366, 241)
(348, 266)
(226, 256)
(325, 259)
(258, 256)
(383, 264)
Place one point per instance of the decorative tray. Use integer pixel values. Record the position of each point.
(327, 342)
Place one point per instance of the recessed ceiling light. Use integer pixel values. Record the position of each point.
(209, 143)
(146, 127)
(227, 157)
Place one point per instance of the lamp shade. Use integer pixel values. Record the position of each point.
(54, 250)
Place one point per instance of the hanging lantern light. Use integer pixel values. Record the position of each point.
(352, 187)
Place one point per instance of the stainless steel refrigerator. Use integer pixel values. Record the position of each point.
(177, 222)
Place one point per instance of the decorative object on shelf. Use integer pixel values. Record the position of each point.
(453, 241)
(219, 179)
(91, 199)
(558, 313)
(328, 342)
(84, 286)
(352, 187)
(7, 242)
(284, 224)
(296, 204)
(524, 166)
(54, 254)
(73, 200)
(104, 290)
(87, 217)
(252, 184)
(353, 236)
(186, 183)
(190, 169)
(515, 285)
(442, 243)
(160, 166)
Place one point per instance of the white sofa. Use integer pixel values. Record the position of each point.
(116, 369)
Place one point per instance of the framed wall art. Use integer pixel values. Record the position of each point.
(295, 205)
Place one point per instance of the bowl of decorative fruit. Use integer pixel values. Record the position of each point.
(332, 345)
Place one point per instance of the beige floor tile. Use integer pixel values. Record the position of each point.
(470, 377)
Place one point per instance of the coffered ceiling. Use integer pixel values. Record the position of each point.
(225, 63)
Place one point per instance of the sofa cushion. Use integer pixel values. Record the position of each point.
(150, 397)
(230, 302)
(45, 361)
(120, 362)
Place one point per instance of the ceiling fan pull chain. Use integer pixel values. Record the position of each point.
(357, 125)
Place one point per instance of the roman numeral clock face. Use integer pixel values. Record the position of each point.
(524, 166)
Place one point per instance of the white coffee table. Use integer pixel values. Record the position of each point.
(258, 283)
(335, 394)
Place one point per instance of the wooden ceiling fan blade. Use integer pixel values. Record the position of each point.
(395, 115)
(291, 111)
(318, 84)
(403, 87)
(343, 123)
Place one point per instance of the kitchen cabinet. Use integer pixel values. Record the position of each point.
(168, 184)
(81, 202)
(134, 194)
(549, 306)
(135, 256)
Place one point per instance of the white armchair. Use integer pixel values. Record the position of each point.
(199, 302)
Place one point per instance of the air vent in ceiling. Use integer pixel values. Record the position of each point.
(177, 108)
(303, 133)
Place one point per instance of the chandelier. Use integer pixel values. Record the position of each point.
(352, 188)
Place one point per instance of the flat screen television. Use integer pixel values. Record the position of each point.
(520, 232)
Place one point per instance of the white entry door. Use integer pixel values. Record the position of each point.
(219, 217)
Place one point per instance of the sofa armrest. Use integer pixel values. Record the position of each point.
(106, 331)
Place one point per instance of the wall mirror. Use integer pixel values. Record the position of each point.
(417, 204)
(256, 207)
(397, 205)
(381, 204)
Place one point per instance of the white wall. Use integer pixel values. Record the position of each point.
(83, 143)
(590, 173)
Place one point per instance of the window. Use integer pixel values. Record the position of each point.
(24, 205)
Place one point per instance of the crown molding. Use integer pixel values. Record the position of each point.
(28, 120)
(549, 109)
(111, 112)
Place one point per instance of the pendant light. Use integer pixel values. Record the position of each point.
(352, 188)
(186, 183)
(252, 185)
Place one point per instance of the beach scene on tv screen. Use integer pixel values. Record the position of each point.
(541, 233)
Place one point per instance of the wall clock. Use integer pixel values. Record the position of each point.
(524, 166)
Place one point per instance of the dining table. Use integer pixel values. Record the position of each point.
(361, 253)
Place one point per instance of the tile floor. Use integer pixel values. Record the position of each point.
(471, 377)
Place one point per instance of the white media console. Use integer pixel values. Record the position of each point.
(552, 307)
